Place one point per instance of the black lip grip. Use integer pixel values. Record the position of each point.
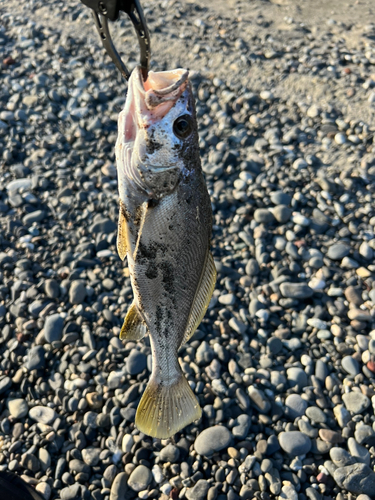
(110, 9)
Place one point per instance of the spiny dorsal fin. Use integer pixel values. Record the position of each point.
(202, 298)
(133, 327)
(122, 234)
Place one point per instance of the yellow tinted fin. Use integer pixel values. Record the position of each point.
(133, 327)
(143, 209)
(202, 298)
(122, 234)
(165, 410)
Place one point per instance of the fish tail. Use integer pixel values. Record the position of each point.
(166, 409)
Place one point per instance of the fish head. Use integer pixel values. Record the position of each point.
(157, 132)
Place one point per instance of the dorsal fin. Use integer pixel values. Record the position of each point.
(134, 327)
(202, 298)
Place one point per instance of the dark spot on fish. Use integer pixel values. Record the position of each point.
(138, 215)
(152, 203)
(151, 144)
(151, 272)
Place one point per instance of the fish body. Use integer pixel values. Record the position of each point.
(165, 227)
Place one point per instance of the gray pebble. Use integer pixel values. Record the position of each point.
(212, 439)
(295, 443)
(53, 328)
(140, 478)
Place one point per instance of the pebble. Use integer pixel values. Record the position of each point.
(295, 443)
(53, 328)
(136, 362)
(77, 292)
(212, 439)
(338, 251)
(295, 406)
(42, 414)
(356, 478)
(199, 491)
(296, 290)
(140, 478)
(356, 402)
(18, 408)
(119, 487)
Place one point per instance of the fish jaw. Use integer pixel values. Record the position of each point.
(149, 154)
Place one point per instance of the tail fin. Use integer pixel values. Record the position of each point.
(165, 410)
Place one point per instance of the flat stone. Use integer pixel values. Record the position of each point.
(259, 399)
(263, 216)
(295, 406)
(199, 491)
(295, 443)
(18, 408)
(338, 251)
(212, 439)
(282, 213)
(170, 453)
(36, 216)
(241, 427)
(252, 267)
(119, 487)
(356, 478)
(356, 402)
(136, 362)
(140, 478)
(316, 415)
(35, 358)
(350, 365)
(341, 457)
(91, 456)
(296, 290)
(358, 452)
(77, 292)
(105, 226)
(296, 376)
(53, 328)
(42, 414)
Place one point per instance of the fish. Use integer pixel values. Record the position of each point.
(164, 230)
(13, 487)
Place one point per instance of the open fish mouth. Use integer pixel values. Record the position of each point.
(161, 90)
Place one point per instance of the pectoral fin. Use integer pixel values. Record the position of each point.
(122, 234)
(143, 212)
(133, 327)
(202, 298)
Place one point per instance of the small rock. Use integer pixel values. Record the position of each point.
(295, 443)
(356, 478)
(18, 408)
(42, 414)
(296, 290)
(212, 439)
(140, 478)
(356, 402)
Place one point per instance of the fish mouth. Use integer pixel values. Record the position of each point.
(160, 91)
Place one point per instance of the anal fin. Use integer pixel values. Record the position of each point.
(133, 327)
(202, 298)
(166, 409)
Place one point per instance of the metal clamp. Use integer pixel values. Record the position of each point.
(110, 9)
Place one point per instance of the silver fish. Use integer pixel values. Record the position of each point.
(164, 230)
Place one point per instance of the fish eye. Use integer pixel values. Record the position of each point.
(183, 126)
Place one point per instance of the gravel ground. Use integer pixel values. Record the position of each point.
(284, 362)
